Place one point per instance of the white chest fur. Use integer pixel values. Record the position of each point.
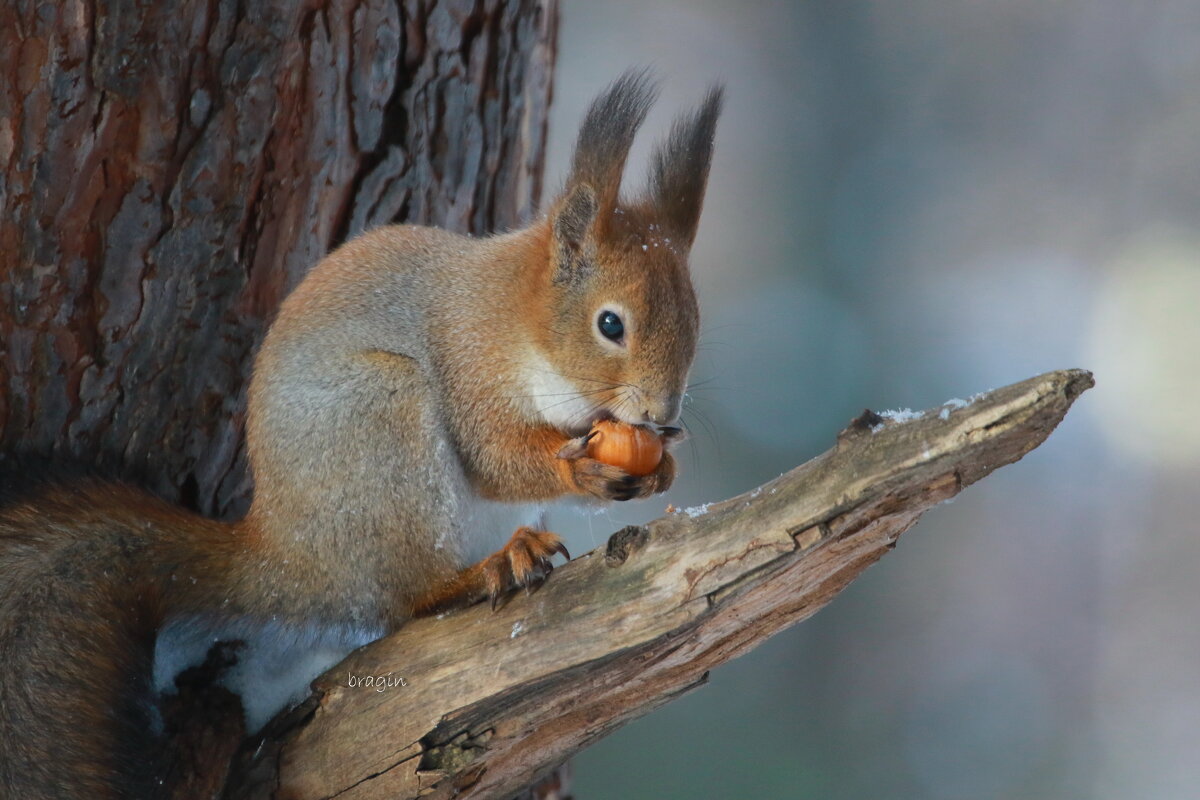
(555, 398)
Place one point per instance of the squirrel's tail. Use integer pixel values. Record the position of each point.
(77, 631)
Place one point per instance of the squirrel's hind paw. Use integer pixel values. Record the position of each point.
(522, 563)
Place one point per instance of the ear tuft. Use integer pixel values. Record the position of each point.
(606, 135)
(679, 167)
(572, 221)
(575, 216)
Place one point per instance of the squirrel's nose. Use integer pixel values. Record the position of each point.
(664, 410)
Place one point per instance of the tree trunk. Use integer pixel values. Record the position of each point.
(169, 171)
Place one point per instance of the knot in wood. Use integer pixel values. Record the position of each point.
(623, 543)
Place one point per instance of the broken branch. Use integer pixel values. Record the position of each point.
(492, 701)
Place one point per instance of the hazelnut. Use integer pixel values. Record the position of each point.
(634, 448)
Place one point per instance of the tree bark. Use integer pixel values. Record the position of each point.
(168, 171)
(492, 700)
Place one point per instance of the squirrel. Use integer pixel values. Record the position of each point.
(419, 396)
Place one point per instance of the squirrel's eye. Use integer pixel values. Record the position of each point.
(611, 326)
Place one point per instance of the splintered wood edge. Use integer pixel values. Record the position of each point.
(493, 700)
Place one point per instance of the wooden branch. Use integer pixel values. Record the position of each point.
(492, 700)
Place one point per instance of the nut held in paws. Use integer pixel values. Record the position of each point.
(633, 448)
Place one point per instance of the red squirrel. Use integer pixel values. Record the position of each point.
(420, 396)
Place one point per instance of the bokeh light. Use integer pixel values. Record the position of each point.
(1145, 341)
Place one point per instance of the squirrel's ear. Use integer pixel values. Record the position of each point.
(572, 220)
(679, 168)
(605, 137)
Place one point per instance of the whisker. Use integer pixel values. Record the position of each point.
(691, 440)
(701, 384)
(589, 380)
(587, 412)
(562, 394)
(606, 383)
(569, 399)
(706, 329)
(626, 399)
(704, 420)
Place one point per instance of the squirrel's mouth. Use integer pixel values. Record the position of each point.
(604, 415)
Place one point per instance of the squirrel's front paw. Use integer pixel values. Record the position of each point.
(522, 563)
(613, 483)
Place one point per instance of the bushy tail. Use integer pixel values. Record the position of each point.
(77, 629)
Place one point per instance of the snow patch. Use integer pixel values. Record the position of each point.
(896, 415)
(952, 404)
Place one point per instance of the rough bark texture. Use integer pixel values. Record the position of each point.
(169, 170)
(492, 700)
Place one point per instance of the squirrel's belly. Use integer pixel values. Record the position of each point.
(273, 669)
(487, 524)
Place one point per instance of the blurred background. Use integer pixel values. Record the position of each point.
(912, 202)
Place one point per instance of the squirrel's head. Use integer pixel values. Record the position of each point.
(622, 320)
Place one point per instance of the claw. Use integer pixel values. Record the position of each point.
(577, 447)
(535, 584)
(500, 600)
(538, 573)
(562, 548)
